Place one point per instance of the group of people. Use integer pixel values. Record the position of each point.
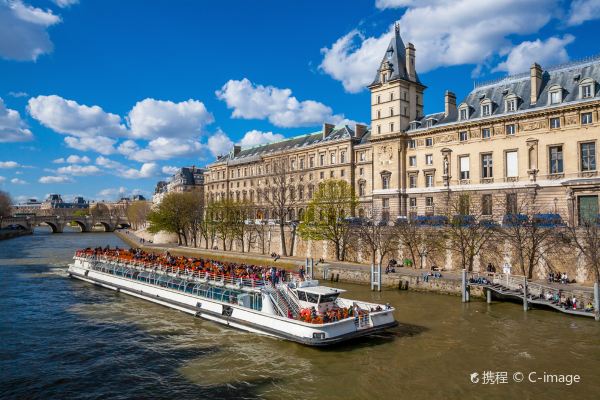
(558, 277)
(568, 302)
(335, 314)
(191, 265)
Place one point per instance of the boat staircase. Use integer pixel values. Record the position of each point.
(518, 287)
(284, 300)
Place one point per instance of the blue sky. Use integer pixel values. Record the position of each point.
(104, 98)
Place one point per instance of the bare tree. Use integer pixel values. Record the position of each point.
(137, 213)
(531, 237)
(468, 231)
(586, 238)
(281, 195)
(419, 241)
(378, 236)
(5, 204)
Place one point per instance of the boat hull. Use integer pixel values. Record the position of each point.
(234, 315)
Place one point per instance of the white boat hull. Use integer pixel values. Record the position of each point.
(235, 315)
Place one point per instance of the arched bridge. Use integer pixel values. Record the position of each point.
(58, 222)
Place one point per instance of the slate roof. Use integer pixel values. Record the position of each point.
(254, 153)
(567, 76)
(395, 55)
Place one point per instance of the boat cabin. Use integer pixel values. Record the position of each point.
(322, 298)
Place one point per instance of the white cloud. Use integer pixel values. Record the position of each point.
(18, 94)
(112, 193)
(383, 4)
(79, 170)
(547, 52)
(68, 117)
(147, 170)
(444, 32)
(65, 3)
(55, 179)
(9, 164)
(582, 11)
(73, 159)
(23, 34)
(169, 170)
(152, 119)
(219, 143)
(250, 101)
(18, 181)
(12, 127)
(254, 138)
(161, 148)
(108, 163)
(99, 144)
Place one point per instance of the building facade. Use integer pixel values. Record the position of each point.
(533, 134)
(186, 179)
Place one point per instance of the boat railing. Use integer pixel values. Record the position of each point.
(198, 276)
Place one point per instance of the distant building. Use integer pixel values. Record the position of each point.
(54, 201)
(186, 179)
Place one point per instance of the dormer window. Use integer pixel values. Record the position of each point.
(586, 88)
(511, 103)
(486, 108)
(415, 125)
(430, 122)
(463, 112)
(555, 94)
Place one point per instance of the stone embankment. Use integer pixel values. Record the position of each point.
(404, 278)
(13, 233)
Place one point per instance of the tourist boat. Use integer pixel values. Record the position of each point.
(279, 310)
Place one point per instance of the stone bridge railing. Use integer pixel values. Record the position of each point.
(58, 222)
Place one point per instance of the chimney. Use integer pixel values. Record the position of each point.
(449, 103)
(410, 62)
(327, 129)
(536, 82)
(360, 130)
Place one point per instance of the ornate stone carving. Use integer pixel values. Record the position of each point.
(571, 120)
(497, 130)
(533, 125)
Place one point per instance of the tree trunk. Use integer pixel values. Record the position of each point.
(282, 235)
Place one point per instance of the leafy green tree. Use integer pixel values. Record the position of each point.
(177, 213)
(325, 216)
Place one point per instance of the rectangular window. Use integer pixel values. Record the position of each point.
(311, 162)
(412, 161)
(511, 129)
(321, 174)
(378, 99)
(385, 182)
(485, 133)
(587, 208)
(554, 123)
(588, 156)
(361, 171)
(463, 114)
(586, 91)
(463, 136)
(412, 201)
(486, 166)
(331, 174)
(378, 129)
(412, 144)
(385, 203)
(511, 203)
(391, 96)
(322, 159)
(342, 172)
(512, 164)
(429, 159)
(343, 157)
(412, 181)
(391, 127)
(391, 111)
(556, 160)
(429, 180)
(429, 201)
(586, 118)
(428, 142)
(464, 204)
(555, 97)
(361, 189)
(464, 167)
(485, 110)
(511, 105)
(302, 163)
(486, 204)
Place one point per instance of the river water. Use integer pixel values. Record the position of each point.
(62, 338)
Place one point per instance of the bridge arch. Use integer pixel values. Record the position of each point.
(107, 226)
(81, 224)
(55, 227)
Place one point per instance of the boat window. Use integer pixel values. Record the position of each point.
(329, 298)
(312, 298)
(301, 296)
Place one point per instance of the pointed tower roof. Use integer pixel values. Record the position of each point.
(394, 59)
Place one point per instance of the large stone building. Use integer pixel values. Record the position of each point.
(186, 179)
(534, 133)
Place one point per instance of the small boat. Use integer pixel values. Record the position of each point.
(299, 310)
